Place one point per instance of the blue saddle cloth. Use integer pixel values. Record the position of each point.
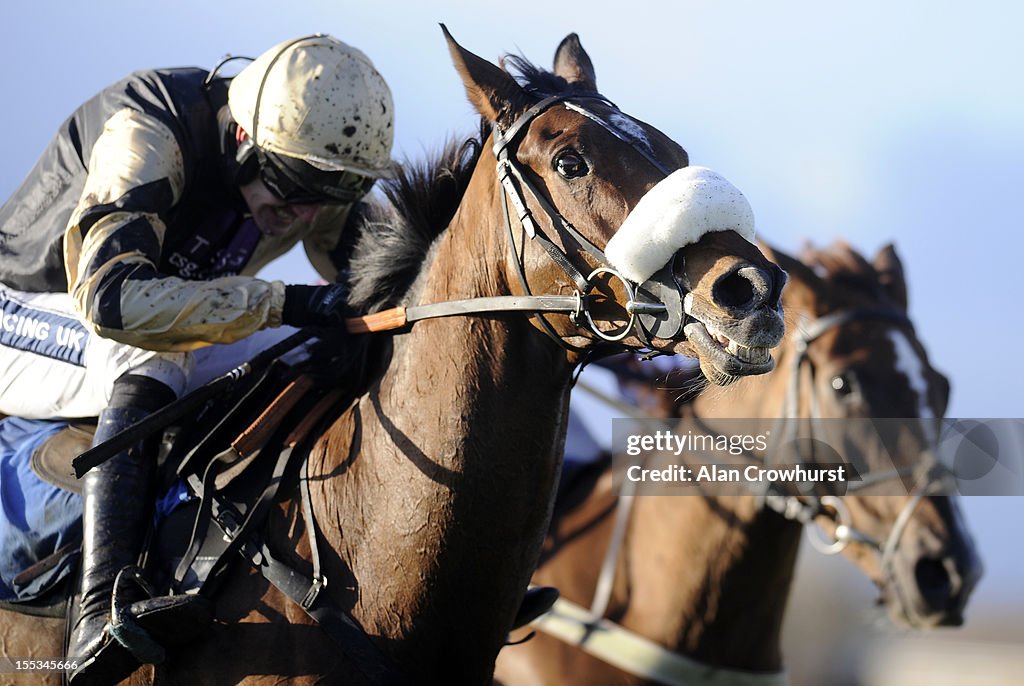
(36, 518)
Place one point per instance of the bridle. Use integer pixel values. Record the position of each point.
(654, 307)
(928, 478)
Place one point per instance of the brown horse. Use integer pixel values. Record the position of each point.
(432, 492)
(700, 583)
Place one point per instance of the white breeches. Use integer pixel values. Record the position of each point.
(52, 366)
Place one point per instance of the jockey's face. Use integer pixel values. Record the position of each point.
(273, 216)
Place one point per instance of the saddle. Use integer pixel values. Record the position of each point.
(222, 469)
(230, 452)
(51, 461)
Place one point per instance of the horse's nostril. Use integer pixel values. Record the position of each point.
(779, 279)
(934, 582)
(743, 289)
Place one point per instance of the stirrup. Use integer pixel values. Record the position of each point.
(144, 627)
(123, 626)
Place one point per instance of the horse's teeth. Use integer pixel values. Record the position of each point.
(754, 355)
(757, 355)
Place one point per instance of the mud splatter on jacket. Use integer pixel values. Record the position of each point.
(131, 209)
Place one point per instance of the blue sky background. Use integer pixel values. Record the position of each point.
(874, 121)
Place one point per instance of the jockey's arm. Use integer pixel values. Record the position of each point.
(113, 243)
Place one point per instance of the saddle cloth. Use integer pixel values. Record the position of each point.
(40, 505)
(40, 524)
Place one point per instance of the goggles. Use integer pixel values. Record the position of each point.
(297, 182)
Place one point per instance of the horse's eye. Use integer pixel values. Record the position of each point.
(571, 164)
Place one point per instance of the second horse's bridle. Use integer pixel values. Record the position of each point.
(927, 478)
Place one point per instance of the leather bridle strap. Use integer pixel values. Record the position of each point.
(644, 151)
(506, 172)
(514, 182)
(517, 259)
(813, 330)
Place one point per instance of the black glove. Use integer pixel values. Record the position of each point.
(324, 306)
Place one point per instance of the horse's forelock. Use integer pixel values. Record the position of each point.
(536, 80)
(395, 236)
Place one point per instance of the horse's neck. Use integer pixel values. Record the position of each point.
(438, 483)
(705, 578)
(731, 561)
(716, 590)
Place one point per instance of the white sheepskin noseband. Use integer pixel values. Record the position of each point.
(681, 208)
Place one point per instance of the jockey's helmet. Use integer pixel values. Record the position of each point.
(319, 119)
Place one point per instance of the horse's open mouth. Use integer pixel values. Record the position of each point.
(724, 360)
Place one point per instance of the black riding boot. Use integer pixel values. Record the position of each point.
(108, 642)
(113, 519)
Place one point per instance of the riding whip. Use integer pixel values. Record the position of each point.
(169, 414)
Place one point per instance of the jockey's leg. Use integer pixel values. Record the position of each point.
(116, 511)
(111, 641)
(53, 367)
(113, 636)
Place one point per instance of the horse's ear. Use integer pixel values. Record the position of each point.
(890, 275)
(494, 94)
(573, 63)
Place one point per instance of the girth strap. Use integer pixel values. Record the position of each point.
(241, 449)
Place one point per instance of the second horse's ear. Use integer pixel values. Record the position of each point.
(492, 91)
(890, 275)
(573, 63)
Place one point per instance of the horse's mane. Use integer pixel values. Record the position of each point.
(840, 265)
(393, 236)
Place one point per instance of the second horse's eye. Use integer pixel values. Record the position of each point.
(571, 164)
(842, 384)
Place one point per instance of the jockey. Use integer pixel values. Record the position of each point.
(132, 247)
(134, 242)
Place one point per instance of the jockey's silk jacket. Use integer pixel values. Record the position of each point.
(132, 209)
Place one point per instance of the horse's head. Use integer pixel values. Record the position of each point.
(862, 359)
(591, 201)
